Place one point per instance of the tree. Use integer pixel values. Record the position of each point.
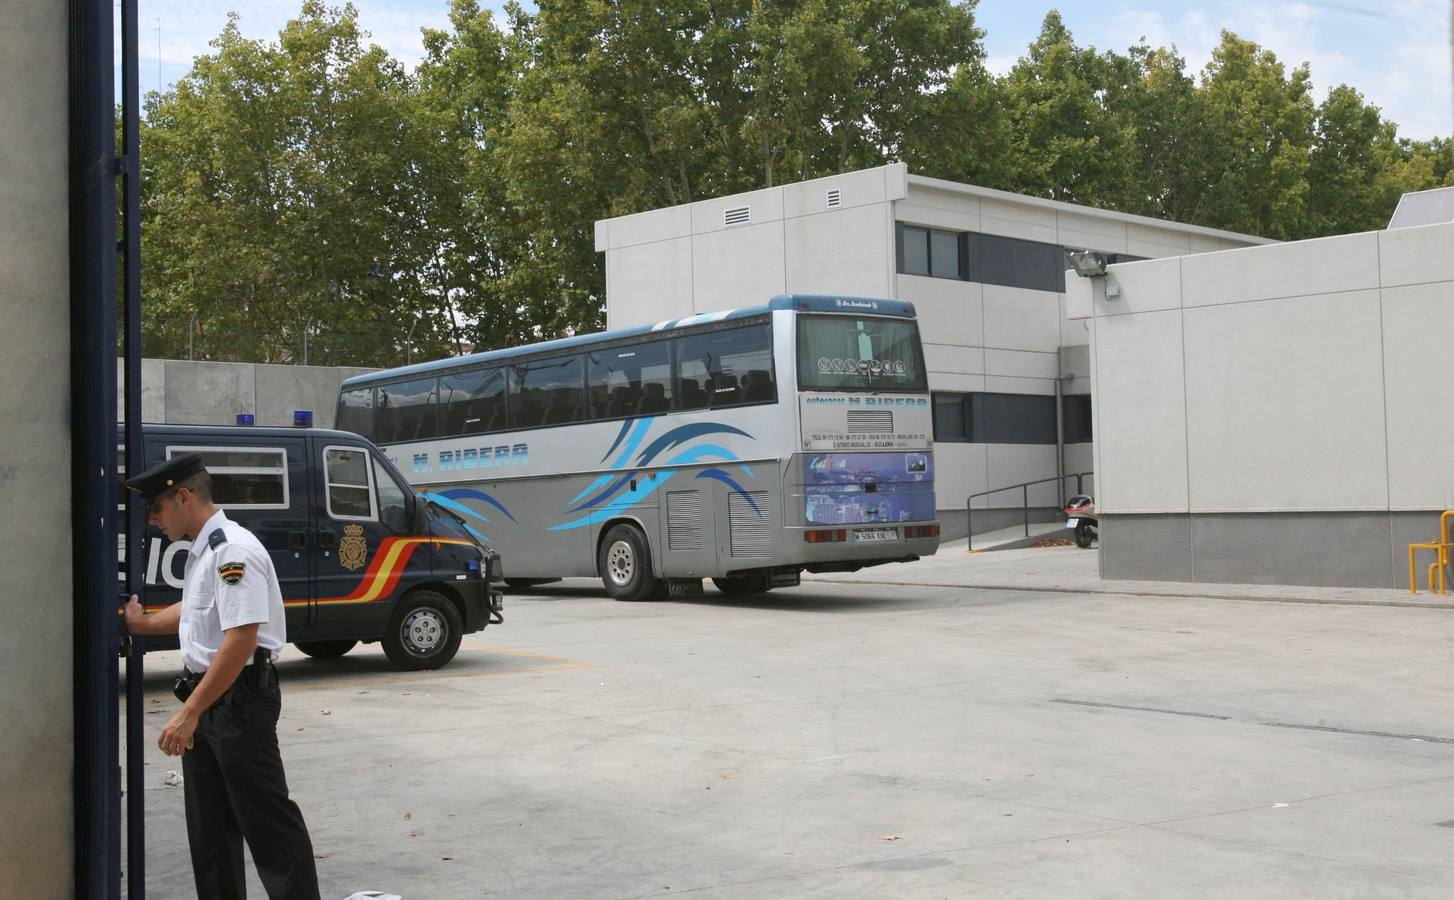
(627, 106)
(280, 202)
(1259, 128)
(1065, 143)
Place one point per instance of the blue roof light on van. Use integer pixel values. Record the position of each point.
(302, 418)
(244, 418)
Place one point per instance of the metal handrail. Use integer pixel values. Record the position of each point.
(1025, 490)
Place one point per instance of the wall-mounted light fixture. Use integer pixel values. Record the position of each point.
(1092, 264)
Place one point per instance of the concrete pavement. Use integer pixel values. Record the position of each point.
(1073, 570)
(866, 739)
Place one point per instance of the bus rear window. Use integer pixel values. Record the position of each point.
(853, 353)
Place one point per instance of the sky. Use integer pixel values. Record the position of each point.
(1395, 52)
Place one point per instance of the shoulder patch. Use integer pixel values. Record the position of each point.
(216, 539)
(231, 572)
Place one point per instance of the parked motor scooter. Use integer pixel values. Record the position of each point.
(1080, 512)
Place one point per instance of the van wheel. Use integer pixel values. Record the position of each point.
(424, 631)
(325, 649)
(737, 585)
(624, 562)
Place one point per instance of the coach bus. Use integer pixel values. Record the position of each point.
(745, 446)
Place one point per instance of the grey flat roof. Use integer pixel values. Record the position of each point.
(956, 187)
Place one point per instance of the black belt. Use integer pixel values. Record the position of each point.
(259, 676)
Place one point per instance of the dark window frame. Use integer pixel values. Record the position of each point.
(1076, 416)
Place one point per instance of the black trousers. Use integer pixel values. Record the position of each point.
(236, 792)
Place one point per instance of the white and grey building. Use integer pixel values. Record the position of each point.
(985, 270)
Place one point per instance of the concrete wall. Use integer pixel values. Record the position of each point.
(186, 392)
(673, 262)
(1275, 414)
(36, 699)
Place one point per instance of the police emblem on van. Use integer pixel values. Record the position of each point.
(231, 572)
(353, 552)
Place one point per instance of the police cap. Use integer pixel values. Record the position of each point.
(164, 476)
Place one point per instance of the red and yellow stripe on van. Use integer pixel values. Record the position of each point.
(388, 565)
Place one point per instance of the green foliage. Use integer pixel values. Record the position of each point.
(311, 192)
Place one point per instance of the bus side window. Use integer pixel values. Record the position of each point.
(732, 365)
(472, 402)
(551, 392)
(630, 380)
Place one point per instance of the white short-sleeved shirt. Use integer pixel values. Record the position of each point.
(229, 581)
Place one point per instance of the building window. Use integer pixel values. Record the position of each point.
(930, 251)
(1011, 419)
(1012, 262)
(1076, 418)
(949, 421)
(982, 418)
(986, 258)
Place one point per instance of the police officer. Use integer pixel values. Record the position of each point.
(230, 625)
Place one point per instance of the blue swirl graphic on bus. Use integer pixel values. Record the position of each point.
(448, 498)
(642, 426)
(612, 500)
(679, 436)
(719, 475)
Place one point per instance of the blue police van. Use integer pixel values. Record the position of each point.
(360, 555)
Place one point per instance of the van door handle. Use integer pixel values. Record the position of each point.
(297, 541)
(327, 540)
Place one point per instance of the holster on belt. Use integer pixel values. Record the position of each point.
(260, 676)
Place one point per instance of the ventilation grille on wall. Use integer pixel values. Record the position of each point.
(876, 422)
(684, 520)
(835, 198)
(739, 215)
(752, 530)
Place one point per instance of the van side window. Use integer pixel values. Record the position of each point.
(346, 470)
(244, 477)
(393, 505)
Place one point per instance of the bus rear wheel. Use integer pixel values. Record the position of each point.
(325, 649)
(624, 562)
(737, 585)
(424, 631)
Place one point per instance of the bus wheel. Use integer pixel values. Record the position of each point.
(625, 564)
(737, 585)
(423, 632)
(325, 649)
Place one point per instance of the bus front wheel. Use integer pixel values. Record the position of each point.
(424, 631)
(624, 562)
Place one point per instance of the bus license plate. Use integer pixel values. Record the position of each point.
(875, 535)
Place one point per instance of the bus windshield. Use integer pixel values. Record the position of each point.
(857, 353)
